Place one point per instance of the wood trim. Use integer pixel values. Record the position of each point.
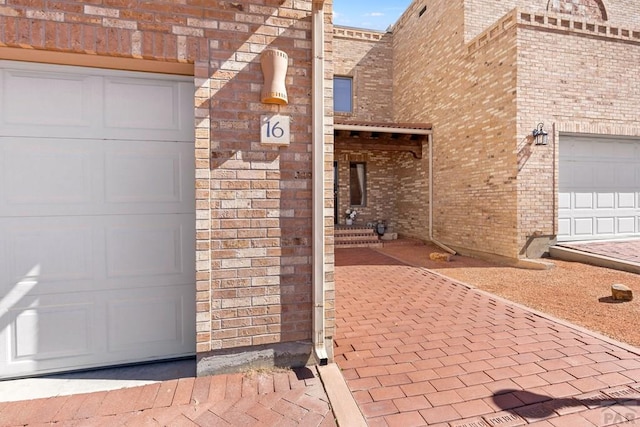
(96, 61)
(416, 150)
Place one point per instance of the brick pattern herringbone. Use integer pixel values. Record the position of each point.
(285, 398)
(419, 349)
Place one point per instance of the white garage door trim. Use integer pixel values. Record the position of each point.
(599, 188)
(97, 218)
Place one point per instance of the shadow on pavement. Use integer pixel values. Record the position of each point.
(153, 371)
(534, 407)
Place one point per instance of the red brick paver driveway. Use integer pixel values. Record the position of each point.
(419, 349)
(260, 399)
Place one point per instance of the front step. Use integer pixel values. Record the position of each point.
(355, 236)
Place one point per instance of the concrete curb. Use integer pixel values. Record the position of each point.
(344, 406)
(568, 254)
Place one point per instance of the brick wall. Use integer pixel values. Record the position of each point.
(593, 90)
(367, 57)
(480, 14)
(253, 202)
(470, 97)
(397, 190)
(494, 75)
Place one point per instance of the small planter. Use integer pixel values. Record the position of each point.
(349, 221)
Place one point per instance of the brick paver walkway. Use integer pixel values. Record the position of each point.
(419, 349)
(260, 399)
(628, 250)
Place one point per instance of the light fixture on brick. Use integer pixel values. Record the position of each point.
(274, 65)
(540, 136)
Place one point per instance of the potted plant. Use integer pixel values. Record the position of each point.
(351, 215)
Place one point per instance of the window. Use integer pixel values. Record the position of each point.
(342, 94)
(358, 184)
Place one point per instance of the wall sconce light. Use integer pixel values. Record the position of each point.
(274, 64)
(540, 136)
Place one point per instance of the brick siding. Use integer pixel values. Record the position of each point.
(480, 14)
(366, 56)
(593, 91)
(253, 213)
(471, 101)
(492, 73)
(396, 184)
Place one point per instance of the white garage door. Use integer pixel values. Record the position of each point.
(97, 218)
(599, 188)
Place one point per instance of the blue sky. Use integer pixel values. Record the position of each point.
(371, 14)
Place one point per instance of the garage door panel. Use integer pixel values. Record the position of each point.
(129, 241)
(49, 251)
(626, 225)
(51, 332)
(605, 225)
(583, 201)
(598, 188)
(97, 218)
(166, 325)
(122, 96)
(33, 98)
(605, 175)
(626, 176)
(564, 227)
(605, 201)
(162, 119)
(45, 172)
(65, 254)
(627, 200)
(46, 177)
(583, 175)
(165, 178)
(584, 226)
(59, 332)
(97, 103)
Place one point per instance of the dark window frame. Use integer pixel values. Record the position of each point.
(339, 97)
(358, 184)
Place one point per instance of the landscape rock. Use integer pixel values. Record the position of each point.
(621, 292)
(437, 256)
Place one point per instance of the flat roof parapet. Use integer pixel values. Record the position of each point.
(551, 22)
(358, 33)
(565, 23)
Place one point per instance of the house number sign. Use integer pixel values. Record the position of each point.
(275, 130)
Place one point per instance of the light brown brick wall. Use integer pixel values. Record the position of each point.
(493, 189)
(253, 202)
(470, 97)
(367, 57)
(480, 14)
(397, 185)
(592, 90)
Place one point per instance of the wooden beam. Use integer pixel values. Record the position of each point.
(415, 149)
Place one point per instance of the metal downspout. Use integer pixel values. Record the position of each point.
(318, 240)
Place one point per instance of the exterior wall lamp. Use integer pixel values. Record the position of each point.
(274, 65)
(540, 136)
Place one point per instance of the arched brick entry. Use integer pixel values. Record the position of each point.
(591, 9)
